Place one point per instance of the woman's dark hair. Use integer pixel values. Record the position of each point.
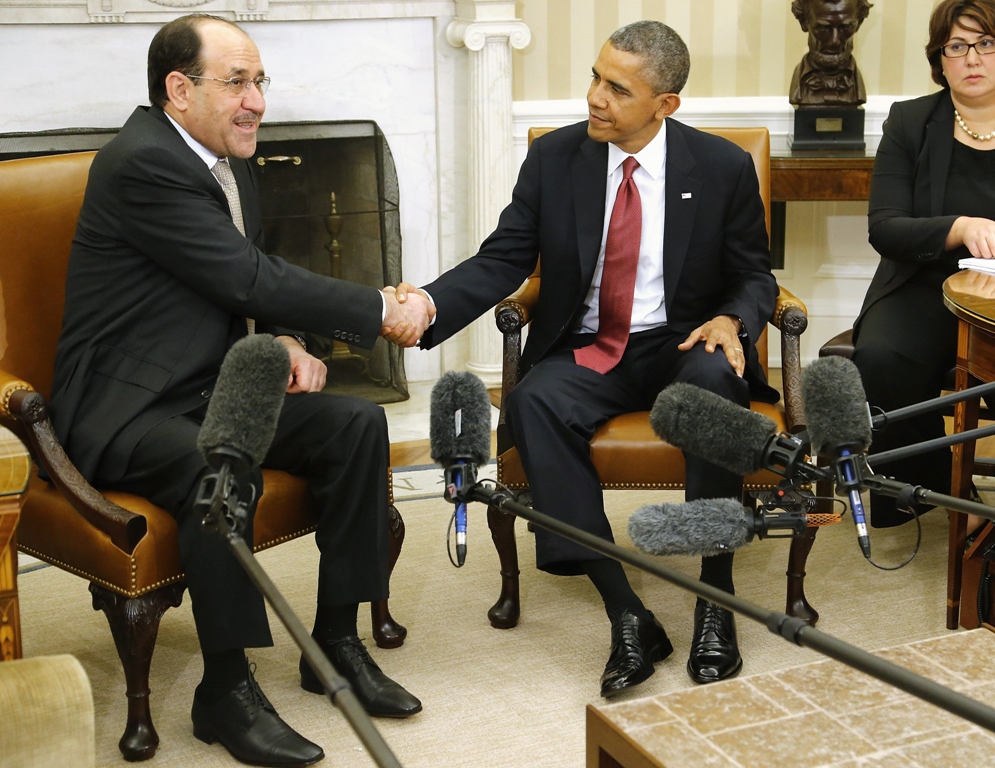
(176, 48)
(941, 22)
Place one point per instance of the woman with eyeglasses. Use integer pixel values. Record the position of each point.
(932, 203)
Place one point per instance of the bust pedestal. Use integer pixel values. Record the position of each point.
(828, 128)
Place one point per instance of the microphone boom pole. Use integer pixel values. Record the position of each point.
(238, 428)
(336, 687)
(792, 629)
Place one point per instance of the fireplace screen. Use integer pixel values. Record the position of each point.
(329, 200)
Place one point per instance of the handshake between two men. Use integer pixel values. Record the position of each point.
(409, 314)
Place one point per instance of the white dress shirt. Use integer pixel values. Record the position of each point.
(648, 307)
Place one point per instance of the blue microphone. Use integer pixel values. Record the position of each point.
(460, 439)
(839, 428)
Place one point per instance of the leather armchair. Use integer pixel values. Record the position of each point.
(626, 451)
(123, 545)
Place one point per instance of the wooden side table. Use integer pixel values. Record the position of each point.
(15, 469)
(813, 176)
(970, 295)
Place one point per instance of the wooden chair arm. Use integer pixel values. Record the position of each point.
(28, 411)
(521, 303)
(512, 315)
(791, 319)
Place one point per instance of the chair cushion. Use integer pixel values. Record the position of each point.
(51, 530)
(628, 454)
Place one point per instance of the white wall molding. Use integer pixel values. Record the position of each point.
(161, 11)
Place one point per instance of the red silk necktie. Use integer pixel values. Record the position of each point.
(618, 277)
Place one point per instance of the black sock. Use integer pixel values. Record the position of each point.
(613, 585)
(222, 672)
(717, 571)
(333, 622)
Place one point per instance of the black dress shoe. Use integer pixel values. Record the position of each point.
(714, 652)
(638, 641)
(379, 695)
(246, 724)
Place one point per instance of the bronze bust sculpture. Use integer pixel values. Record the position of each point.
(827, 76)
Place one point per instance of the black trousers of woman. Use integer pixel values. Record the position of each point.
(906, 343)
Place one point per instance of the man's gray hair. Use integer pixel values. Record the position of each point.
(666, 61)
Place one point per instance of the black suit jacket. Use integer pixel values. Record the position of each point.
(905, 221)
(715, 245)
(158, 286)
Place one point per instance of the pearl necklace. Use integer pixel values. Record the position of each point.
(969, 132)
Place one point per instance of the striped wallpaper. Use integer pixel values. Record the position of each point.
(738, 47)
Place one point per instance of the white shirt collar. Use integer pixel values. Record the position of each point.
(651, 158)
(202, 152)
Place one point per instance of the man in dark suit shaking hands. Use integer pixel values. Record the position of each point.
(165, 270)
(655, 269)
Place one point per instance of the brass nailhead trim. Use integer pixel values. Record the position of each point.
(9, 393)
(287, 537)
(90, 577)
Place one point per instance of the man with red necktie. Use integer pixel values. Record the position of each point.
(655, 269)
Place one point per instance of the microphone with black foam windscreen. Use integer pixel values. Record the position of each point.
(711, 427)
(707, 527)
(241, 418)
(460, 439)
(838, 421)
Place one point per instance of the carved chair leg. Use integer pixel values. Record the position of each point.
(386, 632)
(505, 612)
(134, 625)
(797, 604)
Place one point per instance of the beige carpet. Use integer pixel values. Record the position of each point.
(492, 698)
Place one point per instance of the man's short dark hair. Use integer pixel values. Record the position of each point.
(176, 48)
(941, 22)
(798, 8)
(666, 61)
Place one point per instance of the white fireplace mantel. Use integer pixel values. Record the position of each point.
(160, 11)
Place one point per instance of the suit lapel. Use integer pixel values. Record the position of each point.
(940, 140)
(589, 183)
(682, 195)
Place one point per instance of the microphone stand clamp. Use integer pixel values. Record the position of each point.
(459, 480)
(217, 498)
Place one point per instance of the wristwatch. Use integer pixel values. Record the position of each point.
(299, 339)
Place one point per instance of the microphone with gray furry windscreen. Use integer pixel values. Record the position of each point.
(706, 527)
(242, 415)
(735, 438)
(839, 426)
(460, 439)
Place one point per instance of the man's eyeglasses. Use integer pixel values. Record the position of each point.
(239, 86)
(983, 47)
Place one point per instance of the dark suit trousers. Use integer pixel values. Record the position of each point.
(340, 445)
(906, 343)
(556, 408)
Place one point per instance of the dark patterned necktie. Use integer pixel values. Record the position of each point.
(618, 277)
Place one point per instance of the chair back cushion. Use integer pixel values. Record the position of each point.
(40, 198)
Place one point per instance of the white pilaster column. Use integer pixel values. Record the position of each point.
(489, 30)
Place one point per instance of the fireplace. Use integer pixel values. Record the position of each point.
(329, 197)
